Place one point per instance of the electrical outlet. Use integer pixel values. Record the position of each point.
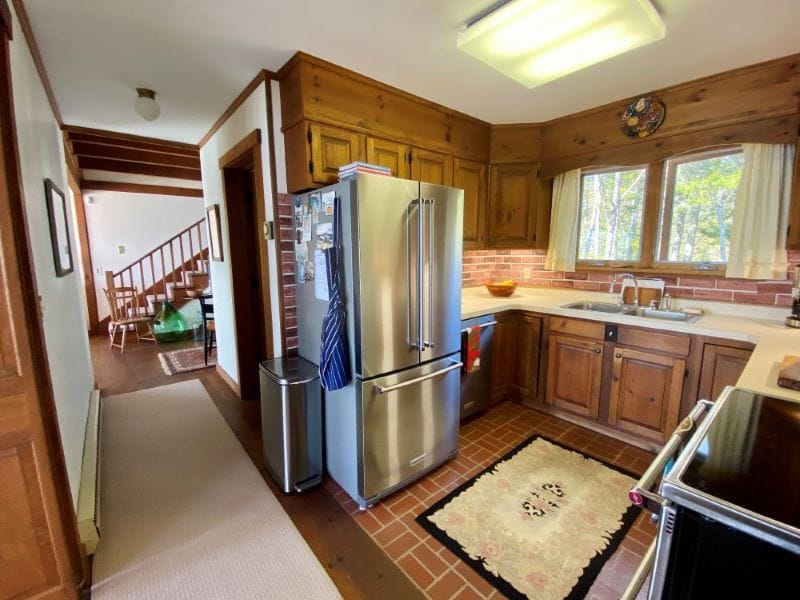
(526, 273)
(98, 271)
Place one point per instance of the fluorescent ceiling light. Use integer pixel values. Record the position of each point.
(536, 41)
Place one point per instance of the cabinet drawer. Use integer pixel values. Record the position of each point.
(588, 329)
(671, 343)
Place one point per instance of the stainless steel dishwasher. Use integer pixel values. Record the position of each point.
(476, 387)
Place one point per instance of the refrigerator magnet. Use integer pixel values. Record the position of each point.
(324, 235)
(301, 272)
(314, 201)
(306, 227)
(321, 281)
(327, 202)
(315, 215)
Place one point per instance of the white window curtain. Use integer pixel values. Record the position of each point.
(760, 216)
(563, 246)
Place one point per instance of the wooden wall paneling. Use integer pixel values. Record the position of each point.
(387, 153)
(511, 209)
(431, 167)
(332, 147)
(41, 554)
(336, 96)
(752, 93)
(516, 143)
(471, 176)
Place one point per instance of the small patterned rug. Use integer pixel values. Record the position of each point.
(538, 523)
(182, 361)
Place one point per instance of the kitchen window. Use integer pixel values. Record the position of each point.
(671, 215)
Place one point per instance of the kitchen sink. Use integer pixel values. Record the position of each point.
(633, 311)
(604, 307)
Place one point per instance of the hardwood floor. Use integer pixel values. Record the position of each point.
(380, 552)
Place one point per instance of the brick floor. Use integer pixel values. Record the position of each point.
(438, 572)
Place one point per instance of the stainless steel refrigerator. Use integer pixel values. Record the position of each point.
(401, 252)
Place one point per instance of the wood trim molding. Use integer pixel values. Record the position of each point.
(27, 31)
(232, 156)
(82, 231)
(5, 20)
(261, 77)
(139, 188)
(229, 381)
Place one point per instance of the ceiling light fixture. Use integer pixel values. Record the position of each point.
(145, 105)
(536, 41)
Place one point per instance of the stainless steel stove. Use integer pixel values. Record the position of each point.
(728, 507)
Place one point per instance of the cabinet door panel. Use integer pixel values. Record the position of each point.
(471, 177)
(512, 205)
(722, 366)
(574, 374)
(646, 393)
(431, 167)
(525, 358)
(332, 147)
(503, 355)
(388, 154)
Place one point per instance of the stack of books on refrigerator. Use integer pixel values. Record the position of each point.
(351, 170)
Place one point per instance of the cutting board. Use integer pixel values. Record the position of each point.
(789, 374)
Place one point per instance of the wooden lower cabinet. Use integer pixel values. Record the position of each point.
(574, 374)
(722, 365)
(646, 390)
(525, 357)
(503, 347)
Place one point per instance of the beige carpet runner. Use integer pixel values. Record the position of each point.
(184, 512)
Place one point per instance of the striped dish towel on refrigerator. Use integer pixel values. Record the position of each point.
(334, 363)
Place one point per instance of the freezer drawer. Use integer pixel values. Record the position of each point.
(409, 425)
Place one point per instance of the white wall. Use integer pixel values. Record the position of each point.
(252, 114)
(140, 222)
(42, 155)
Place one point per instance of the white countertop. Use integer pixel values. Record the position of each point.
(762, 326)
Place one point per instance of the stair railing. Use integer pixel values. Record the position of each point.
(186, 251)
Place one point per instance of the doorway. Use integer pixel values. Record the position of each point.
(244, 204)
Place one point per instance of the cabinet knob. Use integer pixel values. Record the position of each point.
(618, 355)
(597, 350)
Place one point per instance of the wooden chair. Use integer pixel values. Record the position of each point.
(209, 328)
(123, 304)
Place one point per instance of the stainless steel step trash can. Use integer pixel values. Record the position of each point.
(291, 422)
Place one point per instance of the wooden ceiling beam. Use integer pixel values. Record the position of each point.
(121, 166)
(139, 188)
(76, 132)
(131, 144)
(134, 155)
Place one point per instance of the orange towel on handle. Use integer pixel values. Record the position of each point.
(473, 362)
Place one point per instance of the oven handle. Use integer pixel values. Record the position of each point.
(642, 494)
(640, 576)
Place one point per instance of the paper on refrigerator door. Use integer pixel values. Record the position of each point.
(321, 279)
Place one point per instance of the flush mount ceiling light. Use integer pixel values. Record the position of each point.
(145, 105)
(536, 41)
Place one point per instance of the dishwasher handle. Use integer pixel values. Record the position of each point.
(642, 493)
(482, 326)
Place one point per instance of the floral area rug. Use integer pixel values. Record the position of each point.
(188, 359)
(538, 523)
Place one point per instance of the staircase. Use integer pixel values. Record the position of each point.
(177, 270)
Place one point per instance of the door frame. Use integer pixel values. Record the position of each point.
(243, 155)
(25, 374)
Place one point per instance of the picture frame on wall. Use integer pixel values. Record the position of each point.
(59, 228)
(214, 233)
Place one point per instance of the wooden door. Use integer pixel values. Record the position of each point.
(502, 356)
(389, 154)
(39, 552)
(525, 358)
(431, 167)
(646, 391)
(512, 205)
(332, 147)
(574, 371)
(471, 177)
(722, 365)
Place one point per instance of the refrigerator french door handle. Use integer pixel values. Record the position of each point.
(414, 343)
(420, 274)
(390, 388)
(430, 203)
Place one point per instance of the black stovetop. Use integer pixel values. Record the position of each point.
(750, 456)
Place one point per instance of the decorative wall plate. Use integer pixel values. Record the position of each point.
(642, 117)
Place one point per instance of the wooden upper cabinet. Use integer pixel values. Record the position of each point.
(722, 365)
(574, 372)
(646, 391)
(431, 167)
(387, 153)
(470, 176)
(332, 147)
(514, 190)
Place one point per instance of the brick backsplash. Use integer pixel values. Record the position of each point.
(483, 266)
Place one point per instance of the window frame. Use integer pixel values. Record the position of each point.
(656, 180)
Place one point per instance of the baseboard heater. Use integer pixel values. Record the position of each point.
(88, 514)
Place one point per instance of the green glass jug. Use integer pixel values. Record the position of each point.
(169, 324)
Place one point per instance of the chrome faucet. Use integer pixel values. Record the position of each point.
(624, 276)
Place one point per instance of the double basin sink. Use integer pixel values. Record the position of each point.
(633, 311)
